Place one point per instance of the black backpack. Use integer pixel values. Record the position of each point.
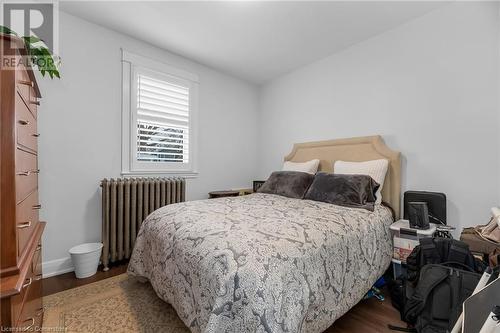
(439, 251)
(435, 304)
(449, 254)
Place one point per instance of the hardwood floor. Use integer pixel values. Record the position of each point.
(67, 281)
(367, 316)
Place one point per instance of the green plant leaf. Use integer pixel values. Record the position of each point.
(36, 51)
(5, 30)
(45, 51)
(31, 39)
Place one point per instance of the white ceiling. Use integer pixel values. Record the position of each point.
(253, 40)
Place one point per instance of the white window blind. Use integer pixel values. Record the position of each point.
(159, 118)
(162, 121)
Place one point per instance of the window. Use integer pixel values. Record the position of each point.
(159, 117)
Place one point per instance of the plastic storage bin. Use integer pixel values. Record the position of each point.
(85, 258)
(404, 240)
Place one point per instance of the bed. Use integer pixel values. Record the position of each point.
(267, 263)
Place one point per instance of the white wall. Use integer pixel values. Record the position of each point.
(429, 87)
(80, 126)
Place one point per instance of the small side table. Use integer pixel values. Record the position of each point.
(222, 194)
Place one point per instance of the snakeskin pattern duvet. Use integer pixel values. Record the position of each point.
(262, 262)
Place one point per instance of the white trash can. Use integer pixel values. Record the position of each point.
(85, 258)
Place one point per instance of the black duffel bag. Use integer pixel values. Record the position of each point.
(435, 304)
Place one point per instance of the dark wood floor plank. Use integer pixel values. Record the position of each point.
(367, 316)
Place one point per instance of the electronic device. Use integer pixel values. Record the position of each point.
(435, 201)
(492, 323)
(418, 215)
(478, 307)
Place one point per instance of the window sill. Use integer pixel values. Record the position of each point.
(183, 174)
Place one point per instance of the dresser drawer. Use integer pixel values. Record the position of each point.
(17, 304)
(18, 301)
(31, 316)
(26, 127)
(26, 174)
(24, 85)
(31, 320)
(26, 220)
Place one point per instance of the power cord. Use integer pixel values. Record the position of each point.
(436, 219)
(442, 230)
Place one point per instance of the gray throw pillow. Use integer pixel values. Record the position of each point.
(357, 191)
(292, 184)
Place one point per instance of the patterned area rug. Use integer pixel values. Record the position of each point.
(117, 304)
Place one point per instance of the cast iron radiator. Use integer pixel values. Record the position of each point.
(126, 202)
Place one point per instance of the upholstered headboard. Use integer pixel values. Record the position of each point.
(355, 150)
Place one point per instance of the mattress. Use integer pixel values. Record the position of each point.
(262, 262)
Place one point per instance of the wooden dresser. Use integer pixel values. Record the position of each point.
(21, 231)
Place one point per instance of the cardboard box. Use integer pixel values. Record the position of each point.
(403, 247)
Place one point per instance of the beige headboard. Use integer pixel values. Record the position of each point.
(355, 150)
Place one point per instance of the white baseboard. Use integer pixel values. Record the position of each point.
(57, 267)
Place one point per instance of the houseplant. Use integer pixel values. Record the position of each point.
(39, 54)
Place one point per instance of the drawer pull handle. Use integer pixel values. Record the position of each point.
(37, 135)
(27, 328)
(35, 102)
(27, 173)
(24, 225)
(39, 206)
(26, 83)
(24, 122)
(38, 277)
(30, 280)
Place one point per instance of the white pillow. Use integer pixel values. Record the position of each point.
(309, 166)
(375, 169)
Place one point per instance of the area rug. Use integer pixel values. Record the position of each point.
(117, 304)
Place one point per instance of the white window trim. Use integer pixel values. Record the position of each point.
(130, 61)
